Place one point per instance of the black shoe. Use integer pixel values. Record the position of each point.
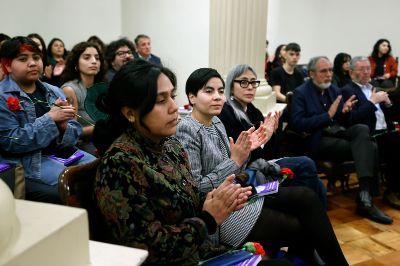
(366, 209)
(392, 199)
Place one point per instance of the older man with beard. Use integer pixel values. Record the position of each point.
(319, 111)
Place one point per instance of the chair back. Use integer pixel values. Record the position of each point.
(76, 189)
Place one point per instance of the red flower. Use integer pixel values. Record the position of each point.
(259, 249)
(186, 106)
(13, 104)
(287, 173)
(254, 247)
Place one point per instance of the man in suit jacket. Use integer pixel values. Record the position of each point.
(318, 109)
(143, 49)
(374, 109)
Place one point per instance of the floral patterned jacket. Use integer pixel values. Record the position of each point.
(149, 200)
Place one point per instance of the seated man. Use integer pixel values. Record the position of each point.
(143, 46)
(117, 54)
(374, 109)
(36, 120)
(318, 109)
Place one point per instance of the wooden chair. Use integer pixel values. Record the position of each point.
(333, 171)
(76, 189)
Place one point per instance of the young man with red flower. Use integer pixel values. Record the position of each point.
(35, 118)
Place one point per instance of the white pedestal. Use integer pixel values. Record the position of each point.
(50, 235)
(58, 235)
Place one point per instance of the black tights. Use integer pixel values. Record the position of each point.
(295, 218)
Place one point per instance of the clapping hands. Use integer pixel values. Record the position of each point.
(225, 199)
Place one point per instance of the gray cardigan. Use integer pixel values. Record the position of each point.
(210, 168)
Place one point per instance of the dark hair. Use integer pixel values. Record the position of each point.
(71, 70)
(278, 60)
(44, 49)
(96, 40)
(134, 86)
(140, 36)
(293, 47)
(338, 62)
(4, 37)
(375, 51)
(114, 46)
(199, 78)
(11, 48)
(50, 57)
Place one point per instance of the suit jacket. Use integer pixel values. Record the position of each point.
(364, 110)
(153, 59)
(309, 115)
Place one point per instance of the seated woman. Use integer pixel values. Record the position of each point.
(36, 120)
(239, 114)
(341, 68)
(84, 67)
(383, 65)
(285, 219)
(144, 186)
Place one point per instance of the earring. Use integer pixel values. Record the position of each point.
(132, 119)
(232, 98)
(76, 69)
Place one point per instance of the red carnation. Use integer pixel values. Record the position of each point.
(186, 106)
(287, 173)
(13, 104)
(259, 249)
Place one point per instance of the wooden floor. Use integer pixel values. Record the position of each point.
(364, 243)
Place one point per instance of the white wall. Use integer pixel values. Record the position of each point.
(178, 30)
(70, 20)
(324, 27)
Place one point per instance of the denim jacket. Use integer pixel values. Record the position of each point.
(23, 135)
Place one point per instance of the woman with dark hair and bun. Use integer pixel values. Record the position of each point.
(383, 65)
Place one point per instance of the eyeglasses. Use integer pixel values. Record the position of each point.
(123, 53)
(245, 83)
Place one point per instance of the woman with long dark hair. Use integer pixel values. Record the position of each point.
(383, 65)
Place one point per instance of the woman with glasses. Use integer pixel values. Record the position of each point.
(239, 114)
(292, 217)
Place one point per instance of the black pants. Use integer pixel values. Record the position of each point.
(389, 146)
(38, 191)
(353, 144)
(295, 218)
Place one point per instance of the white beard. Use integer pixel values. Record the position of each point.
(323, 86)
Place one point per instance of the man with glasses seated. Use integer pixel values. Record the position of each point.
(117, 54)
(319, 111)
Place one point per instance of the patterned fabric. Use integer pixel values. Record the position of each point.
(149, 200)
(210, 166)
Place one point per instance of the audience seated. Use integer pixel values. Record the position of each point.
(277, 221)
(318, 110)
(383, 65)
(374, 109)
(143, 50)
(36, 120)
(117, 54)
(56, 55)
(143, 186)
(341, 67)
(84, 67)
